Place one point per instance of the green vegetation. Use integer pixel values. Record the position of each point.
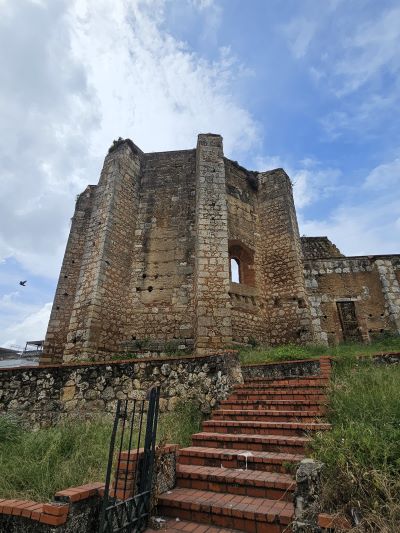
(36, 464)
(289, 352)
(362, 452)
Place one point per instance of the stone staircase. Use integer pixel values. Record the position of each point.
(238, 475)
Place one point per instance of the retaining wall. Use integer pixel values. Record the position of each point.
(44, 395)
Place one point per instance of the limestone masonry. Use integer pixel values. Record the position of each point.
(187, 250)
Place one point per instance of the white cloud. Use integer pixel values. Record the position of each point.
(363, 225)
(384, 176)
(310, 185)
(299, 32)
(75, 76)
(365, 229)
(29, 327)
(371, 50)
(310, 182)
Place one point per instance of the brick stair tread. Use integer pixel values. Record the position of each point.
(221, 453)
(292, 382)
(260, 509)
(260, 405)
(306, 426)
(252, 437)
(266, 412)
(174, 526)
(284, 378)
(273, 402)
(239, 476)
(278, 392)
(273, 387)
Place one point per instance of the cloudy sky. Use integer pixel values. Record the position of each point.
(311, 85)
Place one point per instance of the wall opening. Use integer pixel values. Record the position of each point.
(235, 270)
(241, 263)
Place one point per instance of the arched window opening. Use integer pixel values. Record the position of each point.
(235, 270)
(241, 263)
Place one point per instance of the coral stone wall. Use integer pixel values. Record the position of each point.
(43, 395)
(147, 264)
(160, 302)
(370, 282)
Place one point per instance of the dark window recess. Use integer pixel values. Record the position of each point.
(348, 321)
(301, 303)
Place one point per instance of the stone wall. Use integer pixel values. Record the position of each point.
(46, 394)
(213, 314)
(370, 282)
(284, 369)
(280, 262)
(319, 248)
(148, 261)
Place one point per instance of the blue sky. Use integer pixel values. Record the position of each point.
(312, 86)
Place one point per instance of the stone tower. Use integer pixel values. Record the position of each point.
(149, 253)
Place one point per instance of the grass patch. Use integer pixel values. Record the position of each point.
(290, 352)
(362, 452)
(36, 464)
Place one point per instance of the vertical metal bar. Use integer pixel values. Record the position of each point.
(145, 480)
(120, 446)
(138, 444)
(109, 465)
(129, 445)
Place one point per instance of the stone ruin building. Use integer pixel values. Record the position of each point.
(189, 250)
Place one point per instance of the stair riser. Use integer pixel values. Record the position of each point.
(256, 396)
(306, 392)
(217, 518)
(246, 430)
(267, 418)
(281, 384)
(266, 404)
(251, 446)
(271, 493)
(280, 468)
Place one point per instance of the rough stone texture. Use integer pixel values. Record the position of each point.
(213, 314)
(43, 395)
(372, 283)
(306, 498)
(147, 262)
(319, 248)
(285, 369)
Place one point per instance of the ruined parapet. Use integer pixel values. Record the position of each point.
(319, 248)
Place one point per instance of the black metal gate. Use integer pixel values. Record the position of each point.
(126, 501)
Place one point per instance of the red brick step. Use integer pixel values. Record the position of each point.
(176, 526)
(253, 483)
(227, 510)
(254, 442)
(282, 383)
(239, 458)
(263, 428)
(266, 415)
(277, 405)
(278, 394)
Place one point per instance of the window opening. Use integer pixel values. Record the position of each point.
(235, 270)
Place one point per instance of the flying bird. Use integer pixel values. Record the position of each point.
(23, 283)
